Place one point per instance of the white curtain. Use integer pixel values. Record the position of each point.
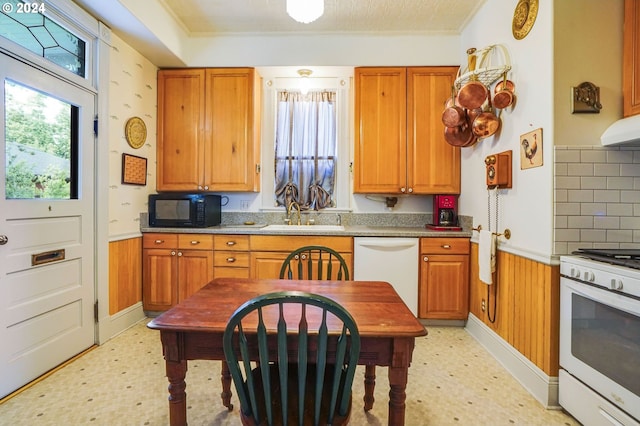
(305, 149)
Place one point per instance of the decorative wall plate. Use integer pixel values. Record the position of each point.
(524, 17)
(136, 132)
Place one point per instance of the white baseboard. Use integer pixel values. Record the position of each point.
(543, 388)
(113, 325)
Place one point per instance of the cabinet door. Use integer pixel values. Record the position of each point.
(380, 130)
(232, 115)
(444, 289)
(267, 264)
(181, 103)
(631, 58)
(159, 279)
(433, 166)
(195, 270)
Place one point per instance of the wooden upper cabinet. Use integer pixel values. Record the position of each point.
(380, 131)
(631, 58)
(399, 138)
(232, 151)
(434, 165)
(181, 108)
(208, 130)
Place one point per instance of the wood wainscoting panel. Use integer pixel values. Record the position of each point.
(125, 274)
(524, 300)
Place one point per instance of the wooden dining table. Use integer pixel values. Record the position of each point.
(193, 330)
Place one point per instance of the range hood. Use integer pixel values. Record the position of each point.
(623, 132)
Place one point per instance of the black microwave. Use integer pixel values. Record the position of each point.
(179, 210)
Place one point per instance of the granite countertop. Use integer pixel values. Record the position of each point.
(352, 225)
(349, 230)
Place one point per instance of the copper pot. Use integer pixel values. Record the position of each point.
(453, 115)
(504, 96)
(473, 113)
(473, 93)
(460, 135)
(486, 124)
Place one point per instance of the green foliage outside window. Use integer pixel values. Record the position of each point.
(38, 145)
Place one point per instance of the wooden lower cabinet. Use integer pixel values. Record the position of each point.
(444, 278)
(269, 251)
(174, 267)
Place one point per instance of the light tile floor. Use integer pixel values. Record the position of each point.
(452, 381)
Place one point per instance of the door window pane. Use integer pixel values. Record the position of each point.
(40, 145)
(23, 23)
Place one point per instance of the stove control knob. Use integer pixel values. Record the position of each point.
(589, 276)
(616, 284)
(575, 273)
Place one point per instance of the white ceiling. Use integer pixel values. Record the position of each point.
(210, 17)
(148, 25)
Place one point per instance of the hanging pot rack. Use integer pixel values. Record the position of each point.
(487, 72)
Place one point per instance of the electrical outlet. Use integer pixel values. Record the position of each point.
(244, 205)
(483, 306)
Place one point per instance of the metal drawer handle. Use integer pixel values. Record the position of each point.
(179, 253)
(445, 246)
(195, 242)
(426, 259)
(231, 259)
(231, 243)
(158, 241)
(173, 253)
(47, 257)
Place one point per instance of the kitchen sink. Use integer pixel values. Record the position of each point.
(305, 228)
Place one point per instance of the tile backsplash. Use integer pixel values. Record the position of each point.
(596, 197)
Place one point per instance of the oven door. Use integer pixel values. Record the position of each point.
(600, 342)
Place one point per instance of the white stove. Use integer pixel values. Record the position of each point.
(599, 380)
(601, 272)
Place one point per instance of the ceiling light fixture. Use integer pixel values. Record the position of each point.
(305, 83)
(305, 11)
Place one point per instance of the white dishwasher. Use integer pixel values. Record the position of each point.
(390, 259)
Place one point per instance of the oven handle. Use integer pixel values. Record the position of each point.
(609, 417)
(601, 295)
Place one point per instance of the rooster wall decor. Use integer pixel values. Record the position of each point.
(531, 149)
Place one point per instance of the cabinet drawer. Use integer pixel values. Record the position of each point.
(195, 241)
(160, 240)
(231, 242)
(224, 272)
(444, 245)
(236, 259)
(289, 243)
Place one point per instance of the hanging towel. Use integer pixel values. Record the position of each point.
(487, 256)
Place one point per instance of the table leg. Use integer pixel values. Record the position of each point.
(176, 372)
(225, 378)
(369, 386)
(397, 396)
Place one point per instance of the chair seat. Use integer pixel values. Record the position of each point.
(293, 397)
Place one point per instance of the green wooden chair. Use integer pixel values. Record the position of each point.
(304, 373)
(314, 263)
(319, 263)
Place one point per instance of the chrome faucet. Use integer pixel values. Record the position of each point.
(297, 206)
(339, 219)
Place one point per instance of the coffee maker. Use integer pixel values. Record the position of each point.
(445, 212)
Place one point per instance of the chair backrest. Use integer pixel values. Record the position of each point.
(314, 263)
(270, 330)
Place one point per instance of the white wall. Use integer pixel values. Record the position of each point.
(132, 93)
(527, 208)
(571, 41)
(324, 50)
(588, 47)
